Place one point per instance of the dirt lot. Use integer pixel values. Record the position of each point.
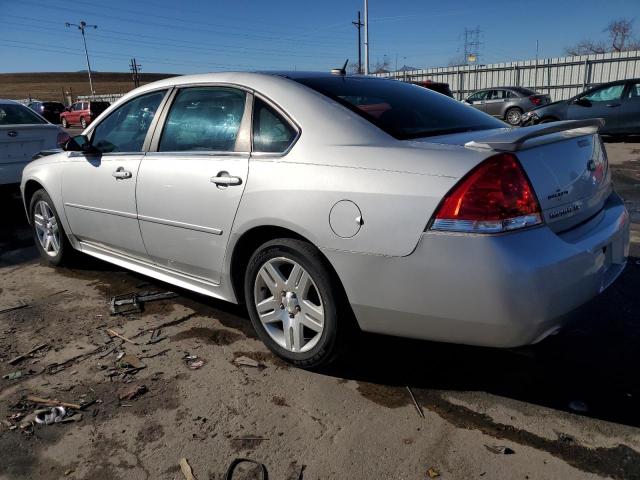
(356, 420)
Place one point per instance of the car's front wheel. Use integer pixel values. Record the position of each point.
(295, 304)
(513, 116)
(50, 239)
(83, 122)
(65, 123)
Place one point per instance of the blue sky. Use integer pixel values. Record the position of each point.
(196, 36)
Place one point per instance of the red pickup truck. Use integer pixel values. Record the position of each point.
(82, 113)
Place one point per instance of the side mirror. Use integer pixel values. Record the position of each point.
(80, 143)
(583, 102)
(67, 109)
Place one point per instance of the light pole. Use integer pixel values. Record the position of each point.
(83, 25)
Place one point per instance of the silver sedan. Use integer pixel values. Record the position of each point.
(331, 203)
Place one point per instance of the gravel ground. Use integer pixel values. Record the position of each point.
(356, 420)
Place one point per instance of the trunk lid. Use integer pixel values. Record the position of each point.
(566, 163)
(18, 143)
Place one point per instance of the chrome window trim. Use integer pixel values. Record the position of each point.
(196, 153)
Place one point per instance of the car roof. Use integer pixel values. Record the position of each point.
(5, 101)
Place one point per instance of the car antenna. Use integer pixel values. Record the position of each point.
(341, 71)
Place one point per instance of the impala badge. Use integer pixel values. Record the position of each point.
(12, 133)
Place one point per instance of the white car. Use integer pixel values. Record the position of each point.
(23, 133)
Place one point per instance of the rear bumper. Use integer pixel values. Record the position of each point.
(500, 291)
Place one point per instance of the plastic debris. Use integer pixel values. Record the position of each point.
(433, 473)
(133, 392)
(134, 302)
(500, 449)
(578, 406)
(51, 415)
(248, 362)
(13, 375)
(186, 469)
(193, 361)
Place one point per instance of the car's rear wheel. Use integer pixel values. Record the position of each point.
(64, 122)
(50, 239)
(295, 303)
(513, 116)
(83, 122)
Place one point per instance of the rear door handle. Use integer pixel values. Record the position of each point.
(224, 179)
(121, 173)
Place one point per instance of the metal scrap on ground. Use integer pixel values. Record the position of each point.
(134, 302)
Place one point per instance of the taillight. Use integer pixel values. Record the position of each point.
(63, 138)
(494, 197)
(535, 100)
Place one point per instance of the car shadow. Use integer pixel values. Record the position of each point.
(592, 364)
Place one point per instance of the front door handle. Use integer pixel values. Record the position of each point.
(612, 105)
(121, 173)
(224, 179)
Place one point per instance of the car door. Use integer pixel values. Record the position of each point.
(74, 115)
(190, 184)
(494, 102)
(99, 190)
(477, 100)
(603, 102)
(630, 110)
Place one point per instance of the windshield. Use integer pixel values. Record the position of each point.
(14, 114)
(402, 110)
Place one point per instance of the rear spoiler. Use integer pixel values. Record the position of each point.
(513, 140)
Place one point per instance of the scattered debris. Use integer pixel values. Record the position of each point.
(578, 406)
(433, 473)
(500, 449)
(113, 333)
(13, 375)
(52, 403)
(76, 417)
(186, 469)
(155, 337)
(193, 361)
(131, 361)
(162, 352)
(415, 402)
(262, 469)
(51, 415)
(249, 362)
(28, 354)
(68, 472)
(133, 392)
(11, 309)
(134, 302)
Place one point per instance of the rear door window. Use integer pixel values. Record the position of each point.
(14, 114)
(271, 132)
(203, 119)
(125, 129)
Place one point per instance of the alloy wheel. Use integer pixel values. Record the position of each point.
(47, 229)
(289, 304)
(514, 117)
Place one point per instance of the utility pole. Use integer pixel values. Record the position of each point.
(82, 26)
(135, 72)
(535, 82)
(366, 37)
(359, 25)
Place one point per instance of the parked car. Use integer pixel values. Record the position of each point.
(428, 219)
(507, 103)
(49, 110)
(23, 133)
(618, 103)
(439, 87)
(82, 113)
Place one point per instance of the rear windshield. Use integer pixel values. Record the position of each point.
(402, 110)
(99, 107)
(13, 114)
(525, 91)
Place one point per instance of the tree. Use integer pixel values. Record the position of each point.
(620, 33)
(380, 66)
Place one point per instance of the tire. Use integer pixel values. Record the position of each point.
(64, 122)
(42, 213)
(513, 116)
(83, 122)
(291, 325)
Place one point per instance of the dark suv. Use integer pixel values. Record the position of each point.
(49, 110)
(507, 103)
(439, 87)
